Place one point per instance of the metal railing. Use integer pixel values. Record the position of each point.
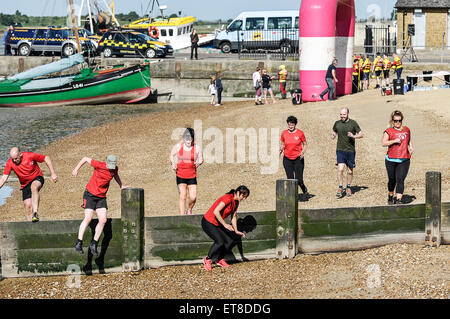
(274, 44)
(379, 39)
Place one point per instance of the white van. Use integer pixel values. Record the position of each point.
(255, 30)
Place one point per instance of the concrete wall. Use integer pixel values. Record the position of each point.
(188, 80)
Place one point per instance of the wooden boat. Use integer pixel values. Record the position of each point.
(117, 85)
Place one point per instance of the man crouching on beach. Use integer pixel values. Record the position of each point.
(31, 179)
(94, 197)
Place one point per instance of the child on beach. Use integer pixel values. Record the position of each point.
(212, 90)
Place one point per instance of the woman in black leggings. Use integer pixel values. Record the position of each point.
(214, 225)
(398, 140)
(293, 145)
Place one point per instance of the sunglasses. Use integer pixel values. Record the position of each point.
(397, 121)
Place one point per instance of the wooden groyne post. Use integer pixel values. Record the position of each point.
(287, 217)
(132, 211)
(433, 209)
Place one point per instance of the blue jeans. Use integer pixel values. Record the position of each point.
(330, 89)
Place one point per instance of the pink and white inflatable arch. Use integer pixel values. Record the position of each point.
(326, 31)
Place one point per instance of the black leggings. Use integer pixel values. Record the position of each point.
(294, 170)
(222, 241)
(397, 174)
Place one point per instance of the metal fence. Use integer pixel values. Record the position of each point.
(273, 44)
(379, 39)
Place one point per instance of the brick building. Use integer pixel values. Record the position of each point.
(431, 19)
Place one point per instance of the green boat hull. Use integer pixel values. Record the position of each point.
(123, 85)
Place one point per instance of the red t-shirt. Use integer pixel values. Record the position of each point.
(399, 150)
(99, 183)
(231, 207)
(185, 166)
(293, 143)
(27, 170)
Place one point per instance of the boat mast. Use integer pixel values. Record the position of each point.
(75, 29)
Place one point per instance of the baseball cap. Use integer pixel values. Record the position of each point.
(111, 161)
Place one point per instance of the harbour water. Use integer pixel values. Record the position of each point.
(33, 128)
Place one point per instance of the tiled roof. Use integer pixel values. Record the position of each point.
(423, 4)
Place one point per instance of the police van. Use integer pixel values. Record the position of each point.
(127, 42)
(25, 41)
(253, 30)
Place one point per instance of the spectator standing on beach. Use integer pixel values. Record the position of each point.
(25, 165)
(212, 90)
(377, 68)
(257, 85)
(293, 145)
(367, 67)
(397, 138)
(282, 77)
(214, 225)
(6, 40)
(219, 88)
(397, 65)
(386, 69)
(94, 197)
(330, 78)
(194, 44)
(267, 86)
(185, 158)
(346, 130)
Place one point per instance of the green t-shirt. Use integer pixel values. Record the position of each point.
(345, 143)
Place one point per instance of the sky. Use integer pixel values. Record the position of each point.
(201, 9)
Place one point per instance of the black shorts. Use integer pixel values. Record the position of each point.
(378, 73)
(386, 73)
(26, 191)
(93, 202)
(187, 181)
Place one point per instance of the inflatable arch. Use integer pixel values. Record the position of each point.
(326, 31)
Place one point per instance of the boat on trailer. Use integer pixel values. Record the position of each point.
(171, 30)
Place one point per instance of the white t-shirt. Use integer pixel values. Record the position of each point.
(256, 78)
(212, 89)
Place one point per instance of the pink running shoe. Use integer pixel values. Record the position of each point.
(222, 263)
(188, 212)
(207, 263)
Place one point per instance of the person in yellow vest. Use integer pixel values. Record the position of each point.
(367, 66)
(386, 69)
(397, 65)
(377, 68)
(355, 73)
(361, 72)
(282, 76)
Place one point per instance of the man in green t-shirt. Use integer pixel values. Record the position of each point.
(346, 130)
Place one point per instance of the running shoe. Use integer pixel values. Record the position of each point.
(207, 263)
(390, 200)
(35, 218)
(348, 191)
(339, 193)
(93, 248)
(398, 201)
(222, 263)
(188, 212)
(79, 247)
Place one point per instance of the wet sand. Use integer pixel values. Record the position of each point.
(143, 145)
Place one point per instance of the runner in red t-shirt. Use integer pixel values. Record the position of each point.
(214, 225)
(94, 197)
(293, 144)
(24, 164)
(398, 140)
(185, 158)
